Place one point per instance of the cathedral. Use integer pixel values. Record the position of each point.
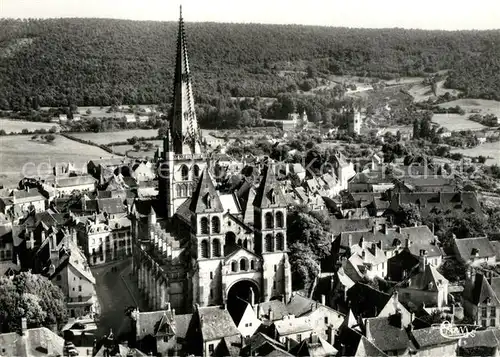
(197, 245)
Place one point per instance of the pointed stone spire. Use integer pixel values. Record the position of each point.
(184, 126)
(205, 197)
(269, 193)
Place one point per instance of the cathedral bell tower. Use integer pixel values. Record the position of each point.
(207, 242)
(270, 209)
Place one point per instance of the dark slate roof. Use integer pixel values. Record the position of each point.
(205, 192)
(268, 189)
(148, 321)
(182, 324)
(440, 201)
(277, 307)
(467, 247)
(111, 205)
(366, 301)
(367, 349)
(184, 211)
(215, 323)
(484, 338)
(429, 275)
(478, 290)
(421, 237)
(238, 308)
(6, 234)
(338, 226)
(262, 345)
(229, 346)
(427, 337)
(386, 336)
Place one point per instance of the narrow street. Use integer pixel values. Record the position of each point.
(114, 295)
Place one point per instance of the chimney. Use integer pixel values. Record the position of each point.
(350, 241)
(287, 343)
(374, 229)
(363, 254)
(422, 260)
(330, 335)
(384, 229)
(270, 314)
(167, 307)
(408, 243)
(24, 326)
(258, 311)
(398, 229)
(311, 338)
(412, 316)
(432, 228)
(323, 299)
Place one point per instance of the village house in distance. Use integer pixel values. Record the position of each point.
(194, 251)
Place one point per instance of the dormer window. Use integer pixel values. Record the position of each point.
(209, 201)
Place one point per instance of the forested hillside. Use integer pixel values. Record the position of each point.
(101, 61)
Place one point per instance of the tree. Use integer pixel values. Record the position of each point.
(53, 129)
(137, 146)
(50, 138)
(310, 242)
(408, 215)
(31, 296)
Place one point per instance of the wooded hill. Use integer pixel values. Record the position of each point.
(101, 61)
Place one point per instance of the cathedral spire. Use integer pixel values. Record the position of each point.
(184, 128)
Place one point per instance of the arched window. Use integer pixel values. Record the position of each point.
(280, 242)
(204, 225)
(269, 243)
(230, 238)
(269, 220)
(243, 264)
(184, 173)
(204, 248)
(279, 219)
(216, 248)
(245, 243)
(240, 243)
(179, 191)
(209, 201)
(234, 266)
(183, 191)
(215, 224)
(196, 171)
(252, 264)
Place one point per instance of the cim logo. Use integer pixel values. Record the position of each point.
(455, 332)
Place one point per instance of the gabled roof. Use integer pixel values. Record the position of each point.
(384, 335)
(205, 197)
(427, 337)
(216, 323)
(291, 325)
(238, 308)
(429, 279)
(367, 349)
(318, 347)
(269, 193)
(111, 205)
(366, 301)
(478, 290)
(469, 247)
(277, 307)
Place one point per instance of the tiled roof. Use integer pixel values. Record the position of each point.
(300, 305)
(205, 197)
(338, 226)
(439, 201)
(468, 247)
(420, 237)
(428, 337)
(478, 290)
(384, 335)
(215, 323)
(148, 321)
(36, 342)
(484, 338)
(277, 307)
(366, 301)
(111, 205)
(318, 347)
(184, 211)
(290, 325)
(75, 181)
(429, 275)
(182, 324)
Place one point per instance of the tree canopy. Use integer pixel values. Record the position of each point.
(33, 297)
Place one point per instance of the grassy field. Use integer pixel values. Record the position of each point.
(20, 155)
(122, 149)
(482, 106)
(487, 150)
(115, 136)
(17, 126)
(421, 92)
(456, 122)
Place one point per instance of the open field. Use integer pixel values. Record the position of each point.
(17, 126)
(115, 136)
(487, 150)
(481, 106)
(421, 92)
(456, 122)
(20, 156)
